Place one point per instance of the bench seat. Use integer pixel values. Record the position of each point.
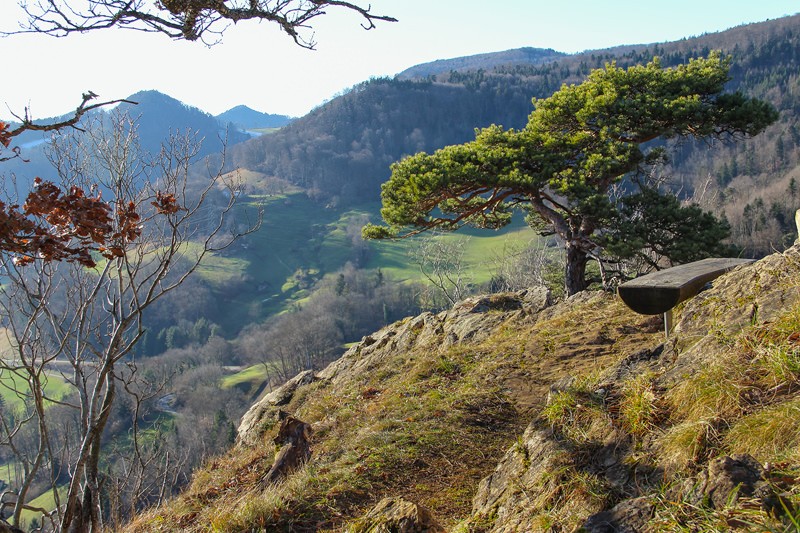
(660, 291)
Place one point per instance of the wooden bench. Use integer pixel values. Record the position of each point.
(659, 292)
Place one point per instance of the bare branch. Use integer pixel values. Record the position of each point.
(190, 20)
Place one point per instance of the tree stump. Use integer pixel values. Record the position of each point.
(293, 437)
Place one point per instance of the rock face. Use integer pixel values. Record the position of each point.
(536, 473)
(267, 408)
(396, 515)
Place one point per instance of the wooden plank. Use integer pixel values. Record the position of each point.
(660, 291)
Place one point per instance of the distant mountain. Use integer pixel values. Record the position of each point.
(518, 56)
(159, 114)
(246, 118)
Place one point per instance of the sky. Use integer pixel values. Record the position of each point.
(259, 66)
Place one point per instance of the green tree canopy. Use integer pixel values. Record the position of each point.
(578, 143)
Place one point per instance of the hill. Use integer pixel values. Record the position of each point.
(518, 56)
(245, 118)
(511, 413)
(159, 114)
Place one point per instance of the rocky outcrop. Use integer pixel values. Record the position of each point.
(628, 516)
(724, 481)
(510, 496)
(266, 410)
(602, 476)
(294, 439)
(536, 472)
(396, 515)
(470, 320)
(750, 294)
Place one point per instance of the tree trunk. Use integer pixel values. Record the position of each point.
(575, 272)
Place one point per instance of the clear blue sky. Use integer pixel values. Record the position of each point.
(258, 66)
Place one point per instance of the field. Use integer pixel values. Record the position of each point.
(55, 388)
(301, 241)
(249, 380)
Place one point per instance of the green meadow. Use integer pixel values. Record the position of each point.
(301, 241)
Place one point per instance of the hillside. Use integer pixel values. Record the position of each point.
(519, 56)
(340, 153)
(512, 413)
(246, 118)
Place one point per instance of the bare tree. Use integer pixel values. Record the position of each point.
(519, 266)
(80, 324)
(183, 19)
(443, 264)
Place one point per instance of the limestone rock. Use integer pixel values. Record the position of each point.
(750, 294)
(294, 438)
(251, 426)
(511, 494)
(725, 480)
(396, 515)
(628, 516)
(470, 320)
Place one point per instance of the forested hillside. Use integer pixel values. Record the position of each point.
(341, 151)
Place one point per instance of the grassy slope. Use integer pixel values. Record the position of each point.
(45, 501)
(428, 423)
(55, 388)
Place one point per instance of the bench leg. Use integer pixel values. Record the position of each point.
(667, 323)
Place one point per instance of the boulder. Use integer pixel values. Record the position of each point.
(725, 479)
(266, 409)
(628, 516)
(396, 515)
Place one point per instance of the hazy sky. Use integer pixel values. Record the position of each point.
(259, 66)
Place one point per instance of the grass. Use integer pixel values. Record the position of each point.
(482, 247)
(45, 501)
(637, 406)
(10, 382)
(577, 411)
(249, 380)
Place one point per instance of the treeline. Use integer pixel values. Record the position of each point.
(341, 151)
